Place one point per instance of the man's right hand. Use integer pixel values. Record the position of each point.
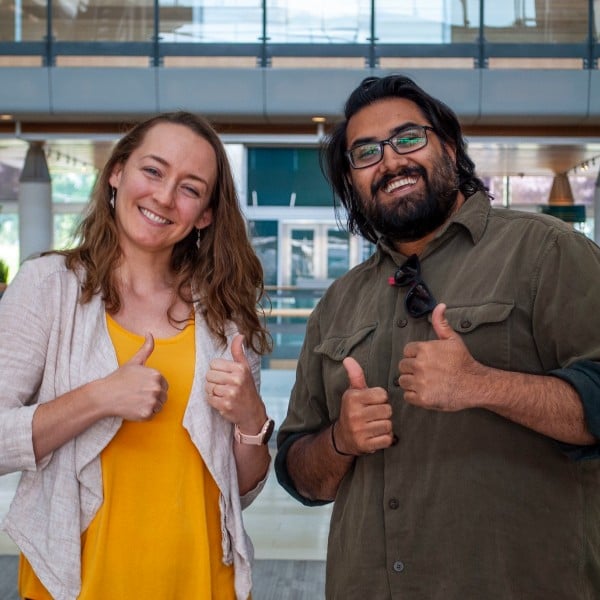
(365, 422)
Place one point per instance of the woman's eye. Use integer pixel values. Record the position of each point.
(191, 190)
(152, 171)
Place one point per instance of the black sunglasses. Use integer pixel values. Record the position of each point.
(419, 300)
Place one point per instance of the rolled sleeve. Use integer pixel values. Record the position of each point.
(584, 376)
(18, 447)
(283, 476)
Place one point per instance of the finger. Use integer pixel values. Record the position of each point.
(442, 328)
(238, 351)
(356, 376)
(143, 354)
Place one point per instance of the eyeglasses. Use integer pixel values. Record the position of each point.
(406, 140)
(418, 301)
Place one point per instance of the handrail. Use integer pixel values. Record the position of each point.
(480, 49)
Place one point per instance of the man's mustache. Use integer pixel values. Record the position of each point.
(415, 171)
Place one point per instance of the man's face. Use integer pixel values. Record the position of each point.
(405, 197)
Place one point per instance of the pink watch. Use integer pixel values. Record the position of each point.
(261, 438)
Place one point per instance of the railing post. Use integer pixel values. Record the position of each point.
(264, 60)
(372, 60)
(590, 61)
(155, 59)
(49, 60)
(481, 62)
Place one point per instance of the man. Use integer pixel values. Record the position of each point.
(448, 391)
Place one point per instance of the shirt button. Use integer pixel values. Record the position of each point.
(398, 566)
(402, 322)
(465, 324)
(393, 503)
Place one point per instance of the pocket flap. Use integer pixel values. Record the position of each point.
(468, 318)
(338, 347)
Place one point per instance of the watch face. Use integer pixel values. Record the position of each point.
(269, 431)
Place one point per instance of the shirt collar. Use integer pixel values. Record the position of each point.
(472, 216)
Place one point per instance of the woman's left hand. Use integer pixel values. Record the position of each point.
(230, 390)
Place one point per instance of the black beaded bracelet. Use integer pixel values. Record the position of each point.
(334, 444)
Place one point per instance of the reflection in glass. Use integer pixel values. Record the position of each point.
(227, 21)
(264, 240)
(536, 21)
(303, 250)
(103, 20)
(426, 22)
(324, 22)
(338, 253)
(22, 21)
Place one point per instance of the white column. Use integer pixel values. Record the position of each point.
(35, 204)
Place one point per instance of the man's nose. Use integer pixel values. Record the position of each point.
(391, 159)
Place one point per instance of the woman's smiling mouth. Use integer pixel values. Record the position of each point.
(154, 217)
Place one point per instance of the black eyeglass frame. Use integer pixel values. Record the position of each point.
(409, 273)
(388, 141)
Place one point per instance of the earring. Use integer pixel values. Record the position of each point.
(113, 197)
(198, 239)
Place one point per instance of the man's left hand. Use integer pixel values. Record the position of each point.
(436, 374)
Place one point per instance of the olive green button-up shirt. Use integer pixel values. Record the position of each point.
(468, 505)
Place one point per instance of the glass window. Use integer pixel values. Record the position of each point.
(324, 22)
(426, 22)
(286, 177)
(103, 20)
(338, 256)
(541, 21)
(230, 21)
(9, 242)
(264, 240)
(22, 21)
(64, 230)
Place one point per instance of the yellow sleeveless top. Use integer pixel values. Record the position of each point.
(157, 535)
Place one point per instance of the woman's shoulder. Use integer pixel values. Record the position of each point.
(43, 269)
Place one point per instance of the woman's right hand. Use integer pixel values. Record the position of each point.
(134, 391)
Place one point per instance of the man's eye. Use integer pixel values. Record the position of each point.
(367, 151)
(408, 139)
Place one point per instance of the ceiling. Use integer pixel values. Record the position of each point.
(493, 155)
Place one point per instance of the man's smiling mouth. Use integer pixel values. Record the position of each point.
(399, 183)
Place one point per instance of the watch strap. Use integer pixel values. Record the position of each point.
(261, 438)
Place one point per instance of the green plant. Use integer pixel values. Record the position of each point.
(3, 272)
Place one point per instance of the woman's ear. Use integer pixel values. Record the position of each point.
(115, 176)
(205, 219)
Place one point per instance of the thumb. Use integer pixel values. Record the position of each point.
(238, 352)
(442, 328)
(143, 354)
(355, 373)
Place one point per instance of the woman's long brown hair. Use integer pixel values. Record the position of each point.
(223, 273)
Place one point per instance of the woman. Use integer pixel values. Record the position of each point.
(130, 370)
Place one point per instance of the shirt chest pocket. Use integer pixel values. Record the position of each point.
(334, 349)
(485, 329)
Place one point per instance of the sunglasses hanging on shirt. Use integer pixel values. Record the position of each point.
(419, 300)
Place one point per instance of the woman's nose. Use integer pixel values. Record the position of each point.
(164, 194)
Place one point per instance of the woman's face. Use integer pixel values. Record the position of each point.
(164, 189)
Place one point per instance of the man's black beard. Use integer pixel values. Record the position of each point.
(414, 216)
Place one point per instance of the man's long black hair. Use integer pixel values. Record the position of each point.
(335, 165)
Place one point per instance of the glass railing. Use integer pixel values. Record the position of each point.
(287, 309)
(268, 31)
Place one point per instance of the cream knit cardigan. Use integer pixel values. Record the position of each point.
(50, 344)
